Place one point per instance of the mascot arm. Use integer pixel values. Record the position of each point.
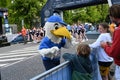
(49, 52)
(70, 42)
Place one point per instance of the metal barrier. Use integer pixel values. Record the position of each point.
(60, 72)
(63, 71)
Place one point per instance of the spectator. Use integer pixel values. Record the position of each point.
(69, 28)
(75, 31)
(87, 27)
(103, 59)
(112, 28)
(83, 34)
(114, 49)
(80, 62)
(24, 32)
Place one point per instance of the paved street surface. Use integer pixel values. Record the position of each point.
(20, 62)
(18, 46)
(10, 57)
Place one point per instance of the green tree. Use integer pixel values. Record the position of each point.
(4, 3)
(103, 10)
(68, 16)
(26, 10)
(92, 14)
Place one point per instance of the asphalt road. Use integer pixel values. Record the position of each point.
(16, 47)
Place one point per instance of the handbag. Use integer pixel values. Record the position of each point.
(81, 76)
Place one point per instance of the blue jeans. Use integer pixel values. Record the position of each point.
(94, 61)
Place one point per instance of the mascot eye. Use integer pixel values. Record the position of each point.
(56, 25)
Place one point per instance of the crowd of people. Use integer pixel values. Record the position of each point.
(32, 35)
(83, 52)
(107, 48)
(78, 30)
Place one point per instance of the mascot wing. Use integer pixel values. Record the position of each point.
(70, 42)
(50, 52)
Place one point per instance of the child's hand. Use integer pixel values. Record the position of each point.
(103, 44)
(109, 43)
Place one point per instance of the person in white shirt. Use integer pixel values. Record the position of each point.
(104, 60)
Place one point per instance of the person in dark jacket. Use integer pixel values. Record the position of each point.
(80, 62)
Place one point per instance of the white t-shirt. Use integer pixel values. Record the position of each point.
(102, 56)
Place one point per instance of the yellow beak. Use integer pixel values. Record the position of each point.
(61, 32)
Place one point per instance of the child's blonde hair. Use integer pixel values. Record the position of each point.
(83, 49)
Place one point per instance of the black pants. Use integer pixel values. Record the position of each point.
(105, 64)
(48, 64)
(24, 39)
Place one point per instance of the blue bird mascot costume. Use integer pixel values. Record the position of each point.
(56, 37)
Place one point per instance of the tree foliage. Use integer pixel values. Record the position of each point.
(92, 14)
(27, 10)
(4, 3)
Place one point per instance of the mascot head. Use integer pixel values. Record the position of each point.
(55, 29)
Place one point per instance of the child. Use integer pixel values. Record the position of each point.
(104, 60)
(80, 62)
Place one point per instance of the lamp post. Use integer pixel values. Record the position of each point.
(22, 22)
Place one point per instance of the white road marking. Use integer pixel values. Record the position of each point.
(14, 59)
(3, 65)
(15, 56)
(12, 56)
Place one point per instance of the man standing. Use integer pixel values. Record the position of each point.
(24, 32)
(114, 49)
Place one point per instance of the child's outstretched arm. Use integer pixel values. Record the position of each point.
(67, 56)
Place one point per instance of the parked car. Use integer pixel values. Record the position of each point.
(4, 41)
(17, 39)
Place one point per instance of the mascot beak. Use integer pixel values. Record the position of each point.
(61, 32)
